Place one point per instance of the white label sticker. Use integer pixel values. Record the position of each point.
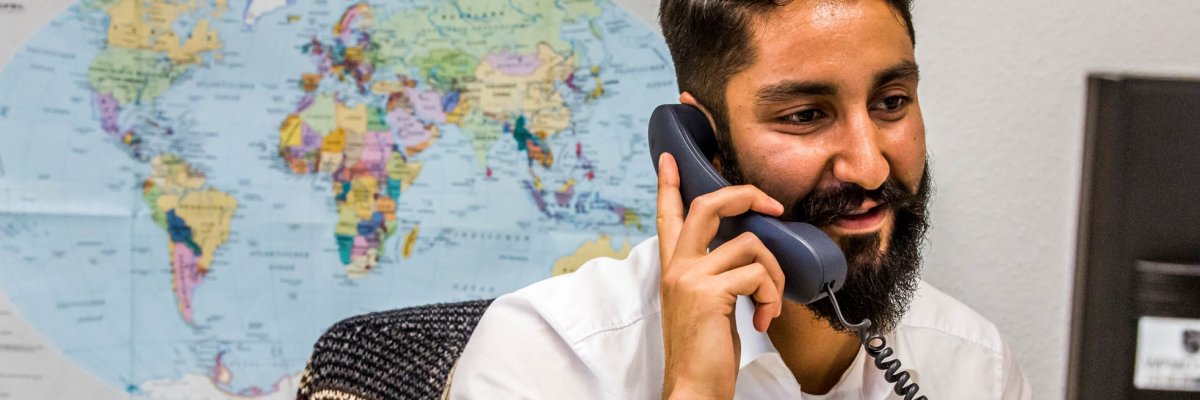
(1168, 354)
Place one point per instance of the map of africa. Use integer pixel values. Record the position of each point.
(191, 191)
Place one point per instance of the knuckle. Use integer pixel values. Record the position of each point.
(688, 285)
(766, 290)
(666, 216)
(677, 276)
(687, 280)
(749, 239)
(764, 273)
(704, 203)
(670, 280)
(694, 287)
(770, 296)
(748, 190)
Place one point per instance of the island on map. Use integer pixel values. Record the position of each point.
(601, 247)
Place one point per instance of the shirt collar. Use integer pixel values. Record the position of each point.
(755, 344)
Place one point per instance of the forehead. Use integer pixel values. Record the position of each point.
(826, 38)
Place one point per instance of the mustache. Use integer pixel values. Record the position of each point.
(822, 207)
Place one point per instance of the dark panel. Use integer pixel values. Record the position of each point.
(1140, 200)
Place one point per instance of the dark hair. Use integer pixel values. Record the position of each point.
(710, 42)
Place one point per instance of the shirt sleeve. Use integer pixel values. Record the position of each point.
(515, 354)
(1012, 379)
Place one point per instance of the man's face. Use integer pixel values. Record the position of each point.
(827, 120)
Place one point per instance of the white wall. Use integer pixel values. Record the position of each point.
(18, 25)
(1003, 95)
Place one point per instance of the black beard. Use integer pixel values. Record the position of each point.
(879, 284)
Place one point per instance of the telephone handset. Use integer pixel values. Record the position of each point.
(813, 265)
(808, 257)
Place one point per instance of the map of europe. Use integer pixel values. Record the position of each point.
(191, 191)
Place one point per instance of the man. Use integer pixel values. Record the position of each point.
(815, 106)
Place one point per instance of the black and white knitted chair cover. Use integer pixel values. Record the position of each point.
(399, 354)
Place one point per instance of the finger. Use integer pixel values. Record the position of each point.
(706, 212)
(670, 208)
(744, 249)
(752, 280)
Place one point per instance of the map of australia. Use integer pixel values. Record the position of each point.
(193, 190)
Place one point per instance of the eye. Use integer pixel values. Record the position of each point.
(892, 103)
(804, 116)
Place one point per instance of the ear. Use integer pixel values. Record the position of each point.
(687, 98)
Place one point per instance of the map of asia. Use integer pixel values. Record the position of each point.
(192, 191)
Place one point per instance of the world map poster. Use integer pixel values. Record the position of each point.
(192, 191)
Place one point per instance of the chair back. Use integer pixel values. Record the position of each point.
(399, 354)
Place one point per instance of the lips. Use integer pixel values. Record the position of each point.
(867, 217)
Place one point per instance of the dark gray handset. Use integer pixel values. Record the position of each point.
(808, 257)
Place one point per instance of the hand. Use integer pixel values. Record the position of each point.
(699, 289)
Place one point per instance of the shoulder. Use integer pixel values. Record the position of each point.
(934, 312)
(605, 294)
(575, 334)
(958, 350)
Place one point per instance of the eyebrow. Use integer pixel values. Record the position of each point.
(789, 90)
(905, 70)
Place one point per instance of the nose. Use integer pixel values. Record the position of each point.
(859, 158)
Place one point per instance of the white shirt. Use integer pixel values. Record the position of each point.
(596, 334)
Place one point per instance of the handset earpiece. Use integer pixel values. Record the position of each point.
(808, 257)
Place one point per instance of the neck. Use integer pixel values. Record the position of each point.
(816, 354)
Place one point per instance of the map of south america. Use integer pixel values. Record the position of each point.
(197, 219)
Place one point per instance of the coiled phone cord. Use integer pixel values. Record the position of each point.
(877, 348)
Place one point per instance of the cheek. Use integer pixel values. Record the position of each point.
(779, 165)
(906, 150)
